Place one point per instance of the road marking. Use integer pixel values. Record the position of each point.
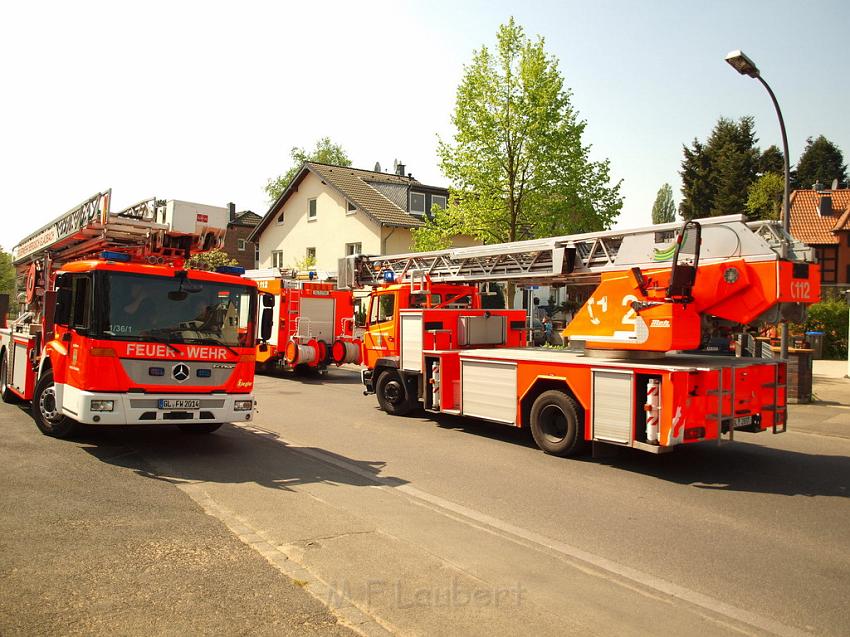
(514, 532)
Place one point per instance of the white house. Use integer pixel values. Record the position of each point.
(328, 212)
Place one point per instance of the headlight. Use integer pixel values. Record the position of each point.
(243, 405)
(102, 405)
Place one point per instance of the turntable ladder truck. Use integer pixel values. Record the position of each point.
(659, 291)
(113, 330)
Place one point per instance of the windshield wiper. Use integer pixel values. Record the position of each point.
(160, 339)
(211, 341)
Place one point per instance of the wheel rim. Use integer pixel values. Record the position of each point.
(393, 392)
(47, 405)
(553, 423)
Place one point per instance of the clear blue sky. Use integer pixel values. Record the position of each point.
(203, 100)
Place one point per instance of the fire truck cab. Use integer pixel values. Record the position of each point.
(114, 330)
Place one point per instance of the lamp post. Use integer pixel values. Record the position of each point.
(745, 66)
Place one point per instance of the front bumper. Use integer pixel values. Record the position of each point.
(366, 379)
(143, 409)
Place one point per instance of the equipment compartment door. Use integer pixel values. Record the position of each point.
(317, 318)
(612, 406)
(488, 390)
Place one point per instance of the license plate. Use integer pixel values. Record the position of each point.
(179, 403)
(743, 421)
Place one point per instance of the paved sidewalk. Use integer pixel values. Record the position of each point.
(829, 412)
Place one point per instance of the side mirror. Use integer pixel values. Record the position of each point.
(266, 323)
(268, 300)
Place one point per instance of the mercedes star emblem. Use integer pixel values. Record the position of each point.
(180, 372)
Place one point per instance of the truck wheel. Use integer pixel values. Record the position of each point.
(5, 393)
(48, 417)
(392, 394)
(204, 428)
(555, 424)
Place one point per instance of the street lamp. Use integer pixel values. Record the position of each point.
(745, 66)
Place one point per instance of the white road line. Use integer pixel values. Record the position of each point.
(644, 579)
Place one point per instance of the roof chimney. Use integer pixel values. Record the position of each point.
(231, 207)
(399, 169)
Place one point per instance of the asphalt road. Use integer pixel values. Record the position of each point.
(416, 526)
(93, 542)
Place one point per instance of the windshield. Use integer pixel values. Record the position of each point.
(135, 307)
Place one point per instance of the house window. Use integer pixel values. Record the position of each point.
(256, 255)
(311, 254)
(828, 258)
(438, 200)
(351, 209)
(353, 248)
(277, 258)
(311, 210)
(417, 203)
(241, 244)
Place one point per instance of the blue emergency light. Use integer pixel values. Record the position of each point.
(109, 255)
(389, 276)
(237, 270)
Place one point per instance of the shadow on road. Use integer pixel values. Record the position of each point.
(233, 455)
(732, 466)
(746, 467)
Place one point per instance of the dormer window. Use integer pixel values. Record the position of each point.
(417, 203)
(438, 200)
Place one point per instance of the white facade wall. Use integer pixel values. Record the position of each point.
(329, 233)
(333, 228)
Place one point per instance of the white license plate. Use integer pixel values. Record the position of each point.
(743, 421)
(179, 403)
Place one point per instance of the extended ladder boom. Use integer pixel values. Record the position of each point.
(576, 259)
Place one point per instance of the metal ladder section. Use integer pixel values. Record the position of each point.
(89, 229)
(721, 393)
(775, 408)
(571, 259)
(293, 311)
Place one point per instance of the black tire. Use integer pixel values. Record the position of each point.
(555, 424)
(47, 417)
(203, 428)
(5, 393)
(392, 394)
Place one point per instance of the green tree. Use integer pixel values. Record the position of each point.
(437, 233)
(764, 198)
(717, 175)
(325, 152)
(664, 210)
(821, 161)
(772, 161)
(210, 260)
(516, 163)
(7, 274)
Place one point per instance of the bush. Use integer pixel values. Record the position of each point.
(830, 317)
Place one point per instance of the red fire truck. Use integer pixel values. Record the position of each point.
(658, 291)
(114, 330)
(313, 322)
